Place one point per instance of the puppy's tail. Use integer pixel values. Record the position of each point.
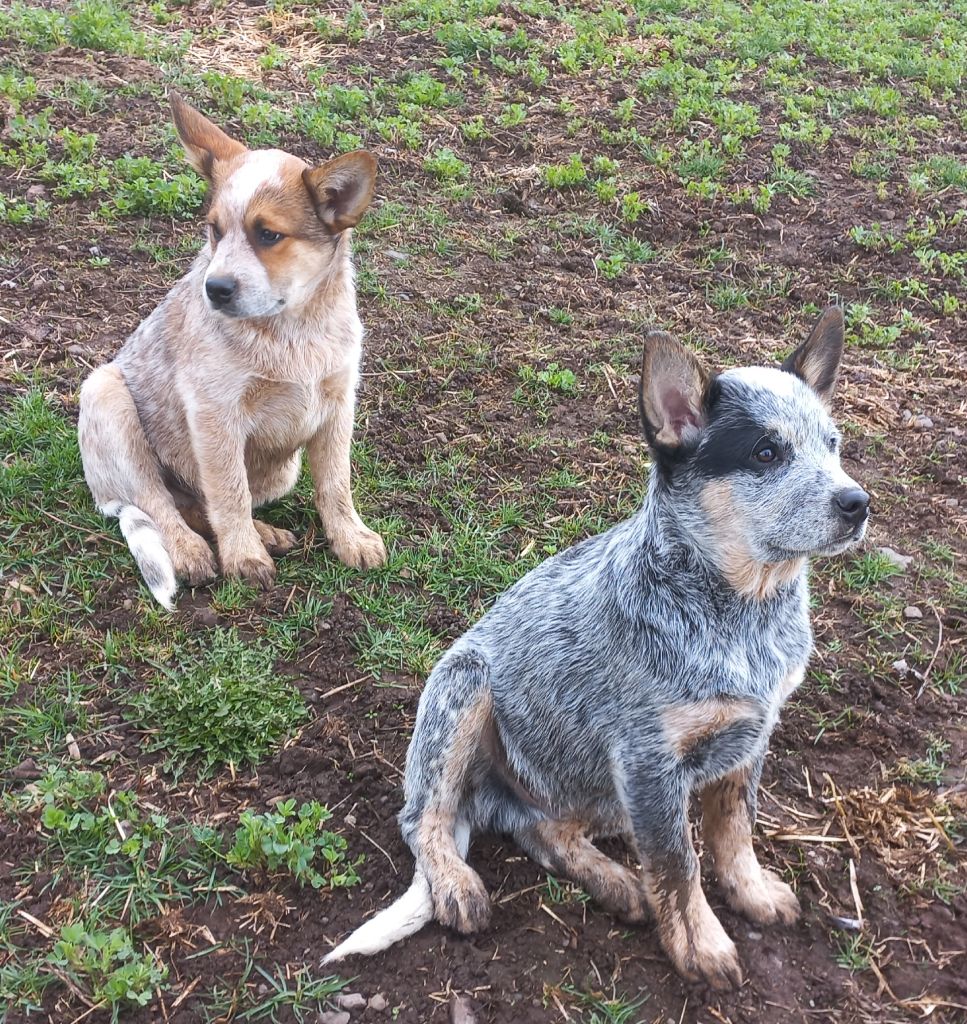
(406, 916)
(147, 545)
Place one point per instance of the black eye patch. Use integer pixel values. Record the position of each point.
(730, 445)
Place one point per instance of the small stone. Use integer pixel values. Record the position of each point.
(396, 255)
(351, 1001)
(912, 612)
(35, 192)
(379, 1002)
(95, 250)
(717, 226)
(952, 503)
(906, 416)
(206, 617)
(334, 1017)
(76, 350)
(923, 422)
(127, 604)
(900, 561)
(461, 1010)
(27, 769)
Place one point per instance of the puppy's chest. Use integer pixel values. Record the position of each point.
(756, 653)
(281, 416)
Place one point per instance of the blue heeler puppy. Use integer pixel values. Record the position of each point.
(642, 666)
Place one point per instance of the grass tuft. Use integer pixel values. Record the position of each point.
(221, 702)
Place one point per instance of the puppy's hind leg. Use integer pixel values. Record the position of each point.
(564, 848)
(269, 480)
(125, 481)
(455, 712)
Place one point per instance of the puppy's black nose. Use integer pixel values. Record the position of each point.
(853, 504)
(220, 290)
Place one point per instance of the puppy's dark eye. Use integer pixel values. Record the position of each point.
(765, 454)
(267, 237)
(832, 443)
(216, 234)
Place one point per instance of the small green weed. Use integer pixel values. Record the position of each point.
(294, 840)
(107, 967)
(928, 769)
(854, 953)
(867, 571)
(597, 1008)
(558, 892)
(221, 702)
(568, 175)
(446, 165)
(553, 378)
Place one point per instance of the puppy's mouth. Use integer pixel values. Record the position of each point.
(235, 313)
(835, 546)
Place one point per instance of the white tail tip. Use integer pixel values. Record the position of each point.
(149, 551)
(406, 916)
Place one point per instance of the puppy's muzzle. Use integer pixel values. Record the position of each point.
(853, 506)
(220, 291)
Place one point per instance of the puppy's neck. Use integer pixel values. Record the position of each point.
(714, 540)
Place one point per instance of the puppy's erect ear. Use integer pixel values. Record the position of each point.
(205, 143)
(341, 189)
(816, 361)
(671, 396)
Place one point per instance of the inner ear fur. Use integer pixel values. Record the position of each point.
(342, 189)
(672, 392)
(205, 143)
(817, 359)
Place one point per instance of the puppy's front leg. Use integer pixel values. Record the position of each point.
(329, 460)
(219, 446)
(689, 931)
(728, 815)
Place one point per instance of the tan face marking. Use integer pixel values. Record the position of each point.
(744, 574)
(264, 191)
(686, 725)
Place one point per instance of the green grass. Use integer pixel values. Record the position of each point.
(865, 573)
(855, 953)
(566, 175)
(108, 968)
(217, 701)
(929, 769)
(296, 841)
(139, 862)
(446, 165)
(597, 1008)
